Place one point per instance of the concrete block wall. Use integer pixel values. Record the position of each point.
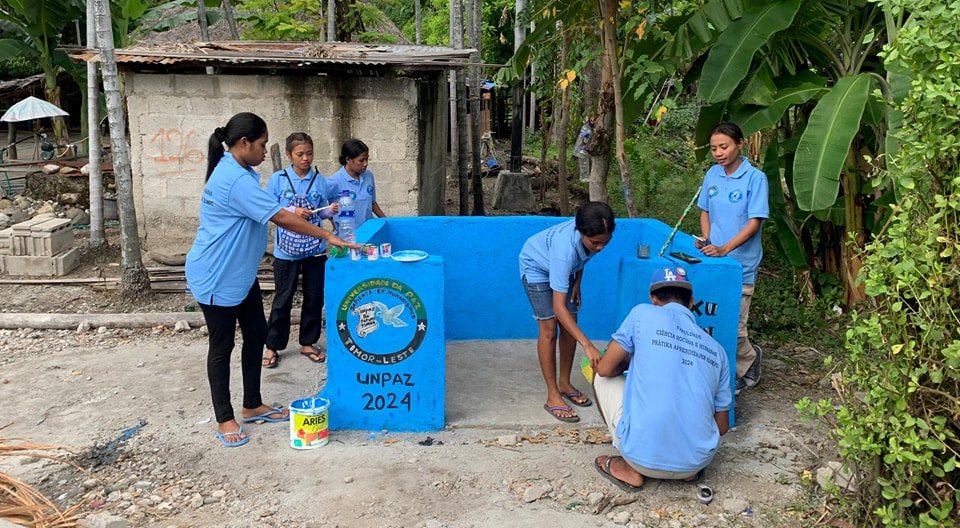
(172, 116)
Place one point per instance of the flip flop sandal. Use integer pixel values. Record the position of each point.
(316, 355)
(265, 417)
(235, 443)
(564, 408)
(269, 361)
(604, 470)
(577, 398)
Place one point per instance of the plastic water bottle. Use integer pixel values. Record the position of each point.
(347, 217)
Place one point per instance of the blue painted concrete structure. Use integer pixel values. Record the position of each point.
(475, 284)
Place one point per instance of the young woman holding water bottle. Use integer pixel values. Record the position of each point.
(302, 190)
(358, 182)
(221, 267)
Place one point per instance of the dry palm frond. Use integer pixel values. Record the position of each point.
(23, 504)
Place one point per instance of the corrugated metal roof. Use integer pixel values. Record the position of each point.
(318, 55)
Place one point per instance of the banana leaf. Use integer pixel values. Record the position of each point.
(788, 240)
(729, 59)
(825, 143)
(752, 118)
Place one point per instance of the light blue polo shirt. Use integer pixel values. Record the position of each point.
(677, 379)
(362, 189)
(552, 255)
(279, 187)
(731, 201)
(222, 264)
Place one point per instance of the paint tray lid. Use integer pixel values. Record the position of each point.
(409, 255)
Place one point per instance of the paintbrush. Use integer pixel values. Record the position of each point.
(676, 227)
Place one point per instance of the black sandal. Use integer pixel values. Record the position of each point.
(270, 361)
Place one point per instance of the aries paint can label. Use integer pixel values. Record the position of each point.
(309, 423)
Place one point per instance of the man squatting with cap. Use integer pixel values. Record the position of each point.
(666, 414)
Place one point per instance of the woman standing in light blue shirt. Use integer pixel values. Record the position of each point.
(734, 201)
(356, 178)
(302, 190)
(221, 266)
(551, 269)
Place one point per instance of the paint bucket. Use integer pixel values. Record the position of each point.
(309, 423)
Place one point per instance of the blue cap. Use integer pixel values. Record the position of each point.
(675, 277)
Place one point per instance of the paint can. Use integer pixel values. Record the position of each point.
(372, 251)
(309, 423)
(355, 253)
(386, 250)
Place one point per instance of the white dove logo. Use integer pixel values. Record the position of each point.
(390, 316)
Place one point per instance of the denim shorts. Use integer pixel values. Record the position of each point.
(541, 299)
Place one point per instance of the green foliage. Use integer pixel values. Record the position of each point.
(898, 418)
(18, 67)
(282, 20)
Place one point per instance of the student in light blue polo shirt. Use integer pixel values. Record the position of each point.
(221, 266)
(551, 269)
(356, 178)
(301, 189)
(734, 204)
(663, 389)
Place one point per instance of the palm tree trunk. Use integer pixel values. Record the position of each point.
(202, 20)
(331, 20)
(474, 35)
(564, 197)
(133, 280)
(418, 20)
(97, 233)
(608, 10)
(459, 134)
(231, 19)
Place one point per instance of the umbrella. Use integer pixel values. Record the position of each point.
(32, 108)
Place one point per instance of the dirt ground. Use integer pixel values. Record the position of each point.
(133, 407)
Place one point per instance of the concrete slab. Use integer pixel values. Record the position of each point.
(498, 385)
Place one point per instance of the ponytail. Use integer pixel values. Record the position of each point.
(242, 125)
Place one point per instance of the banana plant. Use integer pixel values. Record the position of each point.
(806, 75)
(37, 26)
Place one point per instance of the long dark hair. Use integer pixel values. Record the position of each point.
(351, 149)
(595, 218)
(243, 125)
(731, 130)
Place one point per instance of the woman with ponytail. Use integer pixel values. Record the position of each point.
(222, 265)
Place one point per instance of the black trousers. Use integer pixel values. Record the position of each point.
(221, 325)
(286, 274)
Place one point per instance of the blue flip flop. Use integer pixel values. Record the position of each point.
(265, 417)
(236, 443)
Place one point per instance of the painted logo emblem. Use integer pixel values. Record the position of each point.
(381, 321)
(712, 191)
(735, 196)
(370, 190)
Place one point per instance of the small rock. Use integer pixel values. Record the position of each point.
(89, 483)
(210, 500)
(46, 208)
(536, 492)
(347, 480)
(5, 203)
(181, 326)
(621, 517)
(203, 330)
(113, 496)
(69, 198)
(735, 506)
(102, 520)
(196, 500)
(219, 494)
(50, 168)
(81, 217)
(507, 440)
(102, 330)
(594, 498)
(66, 169)
(83, 327)
(143, 484)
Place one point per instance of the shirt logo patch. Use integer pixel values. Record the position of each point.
(735, 196)
(712, 191)
(370, 189)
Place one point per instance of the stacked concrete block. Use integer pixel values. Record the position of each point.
(39, 246)
(6, 240)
